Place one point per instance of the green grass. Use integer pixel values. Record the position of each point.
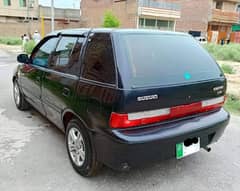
(233, 104)
(227, 69)
(10, 40)
(229, 52)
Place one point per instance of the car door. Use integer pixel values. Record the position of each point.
(32, 73)
(60, 80)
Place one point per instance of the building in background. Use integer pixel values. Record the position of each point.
(17, 16)
(64, 18)
(23, 16)
(212, 19)
(223, 16)
(133, 14)
(235, 35)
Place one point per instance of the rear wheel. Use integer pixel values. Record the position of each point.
(19, 98)
(80, 150)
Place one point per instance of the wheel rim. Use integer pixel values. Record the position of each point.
(76, 146)
(16, 94)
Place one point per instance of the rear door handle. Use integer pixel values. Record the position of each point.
(66, 92)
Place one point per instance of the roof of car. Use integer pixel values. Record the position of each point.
(82, 31)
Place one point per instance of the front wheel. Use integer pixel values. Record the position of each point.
(19, 98)
(80, 150)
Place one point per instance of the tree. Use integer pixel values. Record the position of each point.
(110, 20)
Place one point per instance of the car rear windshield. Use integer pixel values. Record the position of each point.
(166, 59)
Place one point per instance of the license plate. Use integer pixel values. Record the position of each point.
(182, 150)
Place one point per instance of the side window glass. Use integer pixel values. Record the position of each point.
(99, 60)
(73, 66)
(64, 50)
(42, 55)
(66, 57)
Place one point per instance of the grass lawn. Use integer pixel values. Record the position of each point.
(233, 104)
(230, 52)
(10, 40)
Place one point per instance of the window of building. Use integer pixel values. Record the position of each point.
(219, 4)
(156, 24)
(42, 55)
(141, 22)
(7, 2)
(150, 23)
(214, 27)
(163, 25)
(238, 8)
(22, 3)
(99, 61)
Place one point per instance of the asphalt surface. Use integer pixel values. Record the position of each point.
(33, 156)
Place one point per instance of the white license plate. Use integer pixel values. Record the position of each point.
(183, 151)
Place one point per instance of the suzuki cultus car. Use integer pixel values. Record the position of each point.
(124, 97)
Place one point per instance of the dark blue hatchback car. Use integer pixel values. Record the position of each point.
(124, 97)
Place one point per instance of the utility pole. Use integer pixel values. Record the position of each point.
(52, 14)
(28, 20)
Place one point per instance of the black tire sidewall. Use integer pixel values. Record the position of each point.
(23, 104)
(19, 105)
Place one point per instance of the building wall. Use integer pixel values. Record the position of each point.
(10, 27)
(14, 10)
(194, 15)
(93, 12)
(229, 6)
(14, 22)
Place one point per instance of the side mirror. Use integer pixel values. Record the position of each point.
(23, 58)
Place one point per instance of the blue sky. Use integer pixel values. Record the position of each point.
(62, 3)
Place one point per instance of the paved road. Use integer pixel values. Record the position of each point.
(33, 157)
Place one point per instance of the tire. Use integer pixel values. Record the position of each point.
(79, 144)
(19, 98)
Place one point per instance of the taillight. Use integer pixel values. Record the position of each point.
(118, 120)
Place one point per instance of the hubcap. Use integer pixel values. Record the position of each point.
(76, 146)
(16, 94)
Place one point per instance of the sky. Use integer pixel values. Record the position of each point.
(61, 3)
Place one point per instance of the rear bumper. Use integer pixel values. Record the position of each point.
(123, 149)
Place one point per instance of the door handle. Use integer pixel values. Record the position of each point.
(66, 92)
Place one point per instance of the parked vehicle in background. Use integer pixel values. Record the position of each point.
(124, 97)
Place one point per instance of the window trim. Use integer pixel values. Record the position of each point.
(115, 85)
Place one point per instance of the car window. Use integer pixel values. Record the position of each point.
(162, 59)
(99, 60)
(42, 55)
(66, 58)
(64, 50)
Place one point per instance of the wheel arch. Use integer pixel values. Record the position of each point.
(68, 115)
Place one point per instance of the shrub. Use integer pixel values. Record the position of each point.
(10, 40)
(29, 46)
(233, 104)
(226, 52)
(227, 69)
(110, 20)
